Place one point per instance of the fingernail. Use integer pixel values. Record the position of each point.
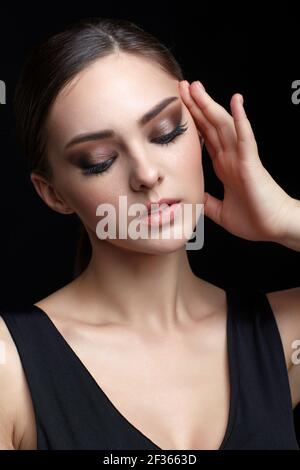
(199, 85)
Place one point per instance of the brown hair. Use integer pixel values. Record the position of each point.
(55, 62)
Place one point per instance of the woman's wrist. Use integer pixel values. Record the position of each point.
(291, 235)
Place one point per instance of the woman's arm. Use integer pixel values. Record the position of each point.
(17, 427)
(291, 236)
(7, 385)
(254, 207)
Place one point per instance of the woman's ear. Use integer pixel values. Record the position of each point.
(49, 194)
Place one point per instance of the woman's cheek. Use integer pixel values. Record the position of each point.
(84, 197)
(189, 162)
(192, 170)
(87, 202)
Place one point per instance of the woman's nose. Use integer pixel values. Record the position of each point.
(144, 174)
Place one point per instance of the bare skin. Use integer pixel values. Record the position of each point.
(111, 94)
(189, 356)
(112, 304)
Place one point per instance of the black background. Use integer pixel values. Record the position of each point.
(245, 51)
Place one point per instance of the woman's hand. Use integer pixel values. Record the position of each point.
(254, 207)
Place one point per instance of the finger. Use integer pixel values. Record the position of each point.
(208, 131)
(212, 208)
(245, 136)
(193, 107)
(241, 122)
(216, 115)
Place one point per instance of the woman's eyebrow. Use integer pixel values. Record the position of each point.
(151, 114)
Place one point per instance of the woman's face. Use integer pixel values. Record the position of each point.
(114, 93)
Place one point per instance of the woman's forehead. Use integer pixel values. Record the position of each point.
(117, 76)
(111, 90)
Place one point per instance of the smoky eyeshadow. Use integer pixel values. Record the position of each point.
(86, 158)
(168, 124)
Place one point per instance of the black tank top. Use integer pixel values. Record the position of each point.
(73, 412)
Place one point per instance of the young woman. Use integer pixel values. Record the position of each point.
(137, 352)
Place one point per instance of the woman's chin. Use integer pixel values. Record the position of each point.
(151, 246)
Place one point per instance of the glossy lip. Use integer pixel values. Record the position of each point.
(168, 201)
(158, 217)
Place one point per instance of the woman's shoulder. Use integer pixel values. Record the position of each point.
(61, 301)
(285, 305)
(16, 406)
(16, 409)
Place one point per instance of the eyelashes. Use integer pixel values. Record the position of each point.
(166, 139)
(100, 167)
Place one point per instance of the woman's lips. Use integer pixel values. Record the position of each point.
(154, 204)
(162, 215)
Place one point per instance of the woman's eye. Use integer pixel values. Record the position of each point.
(167, 138)
(162, 140)
(99, 167)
